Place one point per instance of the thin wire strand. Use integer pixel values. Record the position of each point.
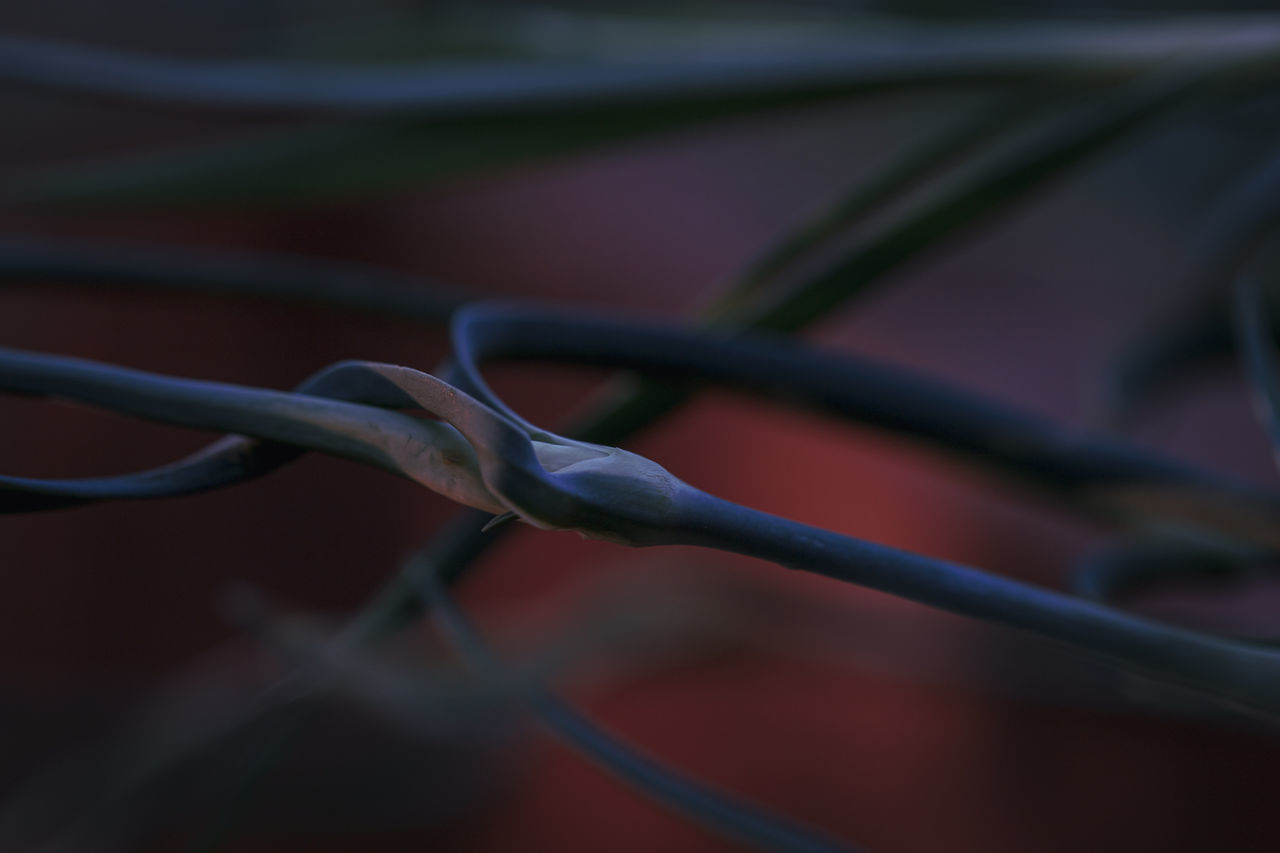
(752, 825)
(921, 54)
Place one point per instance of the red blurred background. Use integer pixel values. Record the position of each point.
(884, 723)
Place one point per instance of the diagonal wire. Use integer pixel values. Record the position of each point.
(1201, 330)
(1254, 332)
(753, 826)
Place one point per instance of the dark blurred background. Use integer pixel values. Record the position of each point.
(885, 723)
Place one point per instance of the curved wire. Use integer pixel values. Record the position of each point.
(919, 55)
(596, 493)
(429, 452)
(1201, 331)
(1136, 567)
(1254, 333)
(1083, 472)
(751, 825)
(273, 275)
